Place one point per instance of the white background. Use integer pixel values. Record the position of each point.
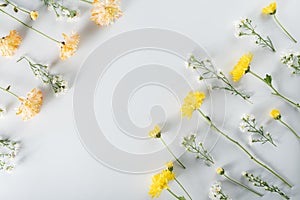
(54, 165)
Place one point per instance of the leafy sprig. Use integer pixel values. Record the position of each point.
(60, 9)
(292, 60)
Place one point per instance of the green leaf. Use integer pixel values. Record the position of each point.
(3, 5)
(16, 9)
(268, 79)
(8, 88)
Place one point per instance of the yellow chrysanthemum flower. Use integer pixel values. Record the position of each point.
(156, 132)
(275, 114)
(34, 15)
(241, 67)
(10, 43)
(220, 170)
(192, 102)
(160, 182)
(270, 9)
(31, 105)
(69, 46)
(105, 12)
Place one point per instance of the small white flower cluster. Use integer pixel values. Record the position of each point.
(61, 10)
(258, 134)
(58, 84)
(8, 150)
(216, 193)
(292, 60)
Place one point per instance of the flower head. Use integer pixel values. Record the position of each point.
(270, 9)
(220, 170)
(34, 15)
(155, 133)
(192, 102)
(275, 114)
(241, 67)
(10, 43)
(160, 182)
(31, 105)
(69, 46)
(105, 12)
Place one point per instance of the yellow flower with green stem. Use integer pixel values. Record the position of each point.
(156, 133)
(10, 43)
(32, 14)
(222, 172)
(229, 138)
(67, 47)
(272, 10)
(276, 115)
(243, 67)
(161, 181)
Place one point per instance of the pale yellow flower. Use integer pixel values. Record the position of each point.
(220, 170)
(69, 46)
(10, 43)
(31, 105)
(192, 102)
(241, 67)
(270, 9)
(156, 132)
(160, 182)
(34, 15)
(275, 114)
(105, 12)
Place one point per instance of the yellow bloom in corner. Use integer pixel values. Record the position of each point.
(192, 102)
(105, 12)
(69, 46)
(10, 43)
(155, 133)
(275, 114)
(31, 105)
(34, 15)
(270, 9)
(160, 182)
(241, 67)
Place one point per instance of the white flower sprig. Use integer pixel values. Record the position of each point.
(292, 60)
(60, 9)
(189, 142)
(245, 28)
(258, 182)
(216, 193)
(57, 83)
(206, 70)
(259, 135)
(8, 151)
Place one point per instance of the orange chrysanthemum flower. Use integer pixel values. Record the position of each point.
(105, 12)
(10, 43)
(31, 105)
(69, 46)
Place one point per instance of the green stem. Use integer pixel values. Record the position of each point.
(276, 93)
(30, 27)
(183, 188)
(5, 90)
(162, 140)
(14, 5)
(86, 1)
(242, 185)
(290, 128)
(173, 194)
(243, 149)
(285, 31)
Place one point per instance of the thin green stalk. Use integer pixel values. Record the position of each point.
(86, 1)
(242, 185)
(174, 195)
(183, 188)
(30, 27)
(14, 5)
(290, 128)
(285, 31)
(162, 140)
(243, 149)
(5, 90)
(275, 91)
